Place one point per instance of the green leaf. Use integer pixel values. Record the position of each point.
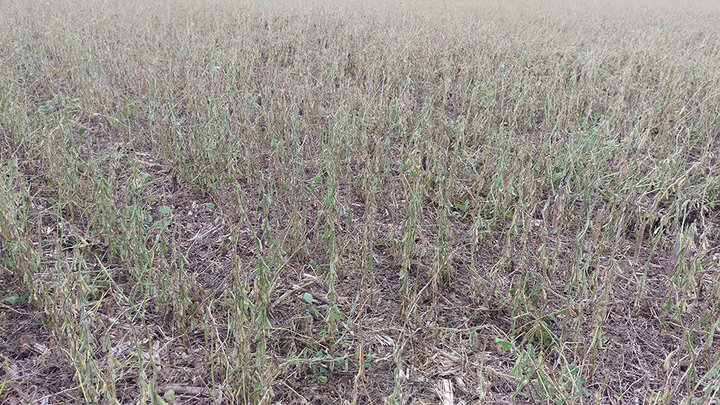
(611, 144)
(462, 207)
(334, 314)
(308, 298)
(503, 343)
(573, 369)
(322, 379)
(164, 210)
(169, 396)
(12, 300)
